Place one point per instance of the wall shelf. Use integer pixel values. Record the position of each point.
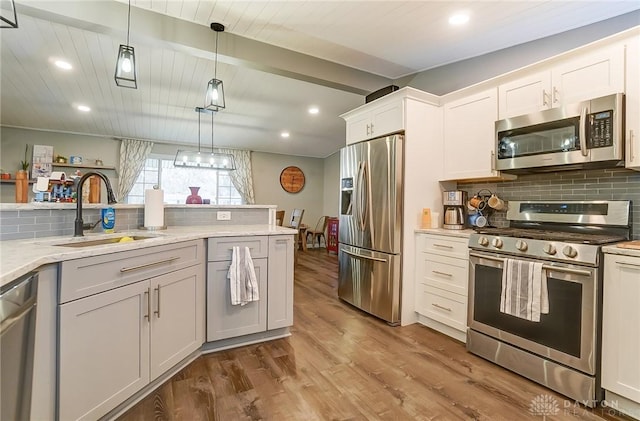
(83, 166)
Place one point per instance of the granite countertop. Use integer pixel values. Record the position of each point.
(618, 250)
(18, 257)
(465, 233)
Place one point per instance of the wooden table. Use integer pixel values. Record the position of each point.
(302, 238)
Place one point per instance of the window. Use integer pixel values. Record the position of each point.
(214, 185)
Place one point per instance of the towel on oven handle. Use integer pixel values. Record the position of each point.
(524, 290)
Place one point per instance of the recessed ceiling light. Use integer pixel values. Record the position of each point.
(313, 110)
(83, 108)
(284, 134)
(65, 65)
(459, 18)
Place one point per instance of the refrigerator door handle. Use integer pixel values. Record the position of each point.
(359, 256)
(360, 196)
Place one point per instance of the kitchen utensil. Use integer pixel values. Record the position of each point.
(496, 203)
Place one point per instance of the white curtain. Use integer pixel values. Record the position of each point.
(133, 154)
(242, 177)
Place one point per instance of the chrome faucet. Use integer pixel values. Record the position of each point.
(111, 199)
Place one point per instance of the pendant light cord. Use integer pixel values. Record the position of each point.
(128, 22)
(215, 63)
(212, 116)
(199, 113)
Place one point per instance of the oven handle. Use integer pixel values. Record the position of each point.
(545, 267)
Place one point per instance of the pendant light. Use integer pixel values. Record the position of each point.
(126, 64)
(8, 16)
(197, 159)
(214, 98)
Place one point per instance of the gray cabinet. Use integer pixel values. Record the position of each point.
(280, 286)
(113, 343)
(228, 321)
(273, 263)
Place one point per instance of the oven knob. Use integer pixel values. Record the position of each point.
(497, 243)
(521, 245)
(483, 241)
(569, 251)
(549, 249)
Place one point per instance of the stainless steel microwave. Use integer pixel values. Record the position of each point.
(588, 134)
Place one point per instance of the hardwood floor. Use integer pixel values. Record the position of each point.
(341, 364)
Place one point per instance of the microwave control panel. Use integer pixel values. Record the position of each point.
(600, 130)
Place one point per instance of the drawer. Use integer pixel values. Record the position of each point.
(91, 275)
(219, 249)
(444, 246)
(445, 273)
(444, 307)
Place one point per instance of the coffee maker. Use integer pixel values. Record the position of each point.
(454, 203)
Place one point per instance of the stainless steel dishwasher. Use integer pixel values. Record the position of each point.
(17, 337)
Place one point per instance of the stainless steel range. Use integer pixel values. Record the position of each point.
(561, 240)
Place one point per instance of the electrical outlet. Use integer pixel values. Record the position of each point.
(223, 216)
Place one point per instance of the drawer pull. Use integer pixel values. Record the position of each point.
(442, 245)
(631, 265)
(157, 311)
(148, 295)
(146, 265)
(440, 307)
(441, 273)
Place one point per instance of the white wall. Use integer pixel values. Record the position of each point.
(90, 148)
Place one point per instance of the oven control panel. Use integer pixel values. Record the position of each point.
(536, 249)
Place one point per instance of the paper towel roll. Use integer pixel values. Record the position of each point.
(153, 208)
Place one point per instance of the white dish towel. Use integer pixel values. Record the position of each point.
(243, 283)
(524, 290)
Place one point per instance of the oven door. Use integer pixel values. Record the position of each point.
(567, 334)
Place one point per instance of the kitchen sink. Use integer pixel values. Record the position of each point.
(104, 241)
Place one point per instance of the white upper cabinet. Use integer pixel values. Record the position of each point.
(469, 136)
(632, 133)
(376, 119)
(591, 75)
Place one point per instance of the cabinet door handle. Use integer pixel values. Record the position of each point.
(157, 311)
(493, 161)
(544, 98)
(555, 94)
(631, 146)
(371, 128)
(146, 265)
(441, 273)
(631, 265)
(368, 133)
(442, 245)
(440, 307)
(147, 293)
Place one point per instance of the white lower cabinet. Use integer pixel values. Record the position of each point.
(620, 333)
(113, 343)
(442, 272)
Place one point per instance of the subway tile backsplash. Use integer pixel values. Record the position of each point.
(29, 223)
(606, 184)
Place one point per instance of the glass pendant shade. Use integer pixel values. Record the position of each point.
(214, 100)
(126, 67)
(8, 16)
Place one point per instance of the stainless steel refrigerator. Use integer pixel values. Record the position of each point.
(370, 230)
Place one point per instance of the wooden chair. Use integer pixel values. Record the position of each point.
(296, 223)
(279, 217)
(296, 218)
(318, 232)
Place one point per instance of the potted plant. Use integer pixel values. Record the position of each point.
(25, 164)
(22, 181)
